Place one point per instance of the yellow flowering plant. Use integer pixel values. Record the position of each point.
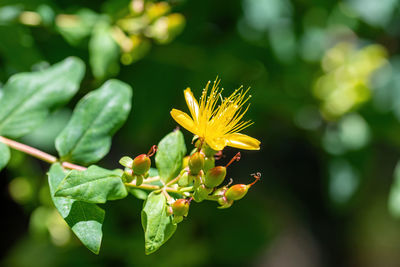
(76, 185)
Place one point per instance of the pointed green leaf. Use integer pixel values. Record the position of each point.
(104, 51)
(156, 222)
(28, 98)
(85, 219)
(95, 185)
(4, 155)
(97, 116)
(169, 156)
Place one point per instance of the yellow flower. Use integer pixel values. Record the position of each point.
(218, 126)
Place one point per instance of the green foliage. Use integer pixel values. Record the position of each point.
(95, 185)
(156, 222)
(4, 155)
(87, 137)
(394, 197)
(104, 51)
(169, 156)
(28, 98)
(85, 219)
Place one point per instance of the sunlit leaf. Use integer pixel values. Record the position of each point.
(87, 136)
(157, 224)
(28, 98)
(95, 185)
(85, 219)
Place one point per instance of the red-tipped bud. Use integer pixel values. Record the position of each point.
(209, 162)
(237, 191)
(196, 163)
(215, 176)
(181, 207)
(141, 164)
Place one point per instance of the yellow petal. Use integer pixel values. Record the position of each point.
(242, 141)
(184, 120)
(216, 144)
(192, 104)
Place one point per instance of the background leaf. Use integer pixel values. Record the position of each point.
(87, 137)
(85, 219)
(4, 155)
(157, 224)
(394, 197)
(169, 156)
(95, 185)
(28, 97)
(104, 52)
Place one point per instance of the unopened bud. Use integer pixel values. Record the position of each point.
(209, 162)
(127, 176)
(237, 191)
(181, 207)
(139, 179)
(224, 202)
(141, 164)
(201, 193)
(186, 179)
(196, 163)
(215, 176)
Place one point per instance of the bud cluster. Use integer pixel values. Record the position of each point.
(138, 168)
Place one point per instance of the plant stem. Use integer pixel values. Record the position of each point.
(39, 154)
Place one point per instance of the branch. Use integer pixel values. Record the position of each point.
(39, 154)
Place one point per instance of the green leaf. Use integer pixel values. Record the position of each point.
(28, 98)
(104, 52)
(169, 156)
(95, 185)
(4, 155)
(97, 116)
(394, 197)
(85, 219)
(157, 224)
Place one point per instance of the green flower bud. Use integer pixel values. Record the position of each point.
(225, 203)
(201, 193)
(139, 179)
(141, 164)
(186, 179)
(180, 207)
(196, 163)
(127, 176)
(215, 176)
(237, 191)
(198, 179)
(209, 162)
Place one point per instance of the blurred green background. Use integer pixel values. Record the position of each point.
(324, 78)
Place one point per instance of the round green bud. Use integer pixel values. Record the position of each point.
(196, 163)
(141, 164)
(127, 175)
(180, 207)
(186, 179)
(209, 162)
(215, 176)
(225, 203)
(236, 192)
